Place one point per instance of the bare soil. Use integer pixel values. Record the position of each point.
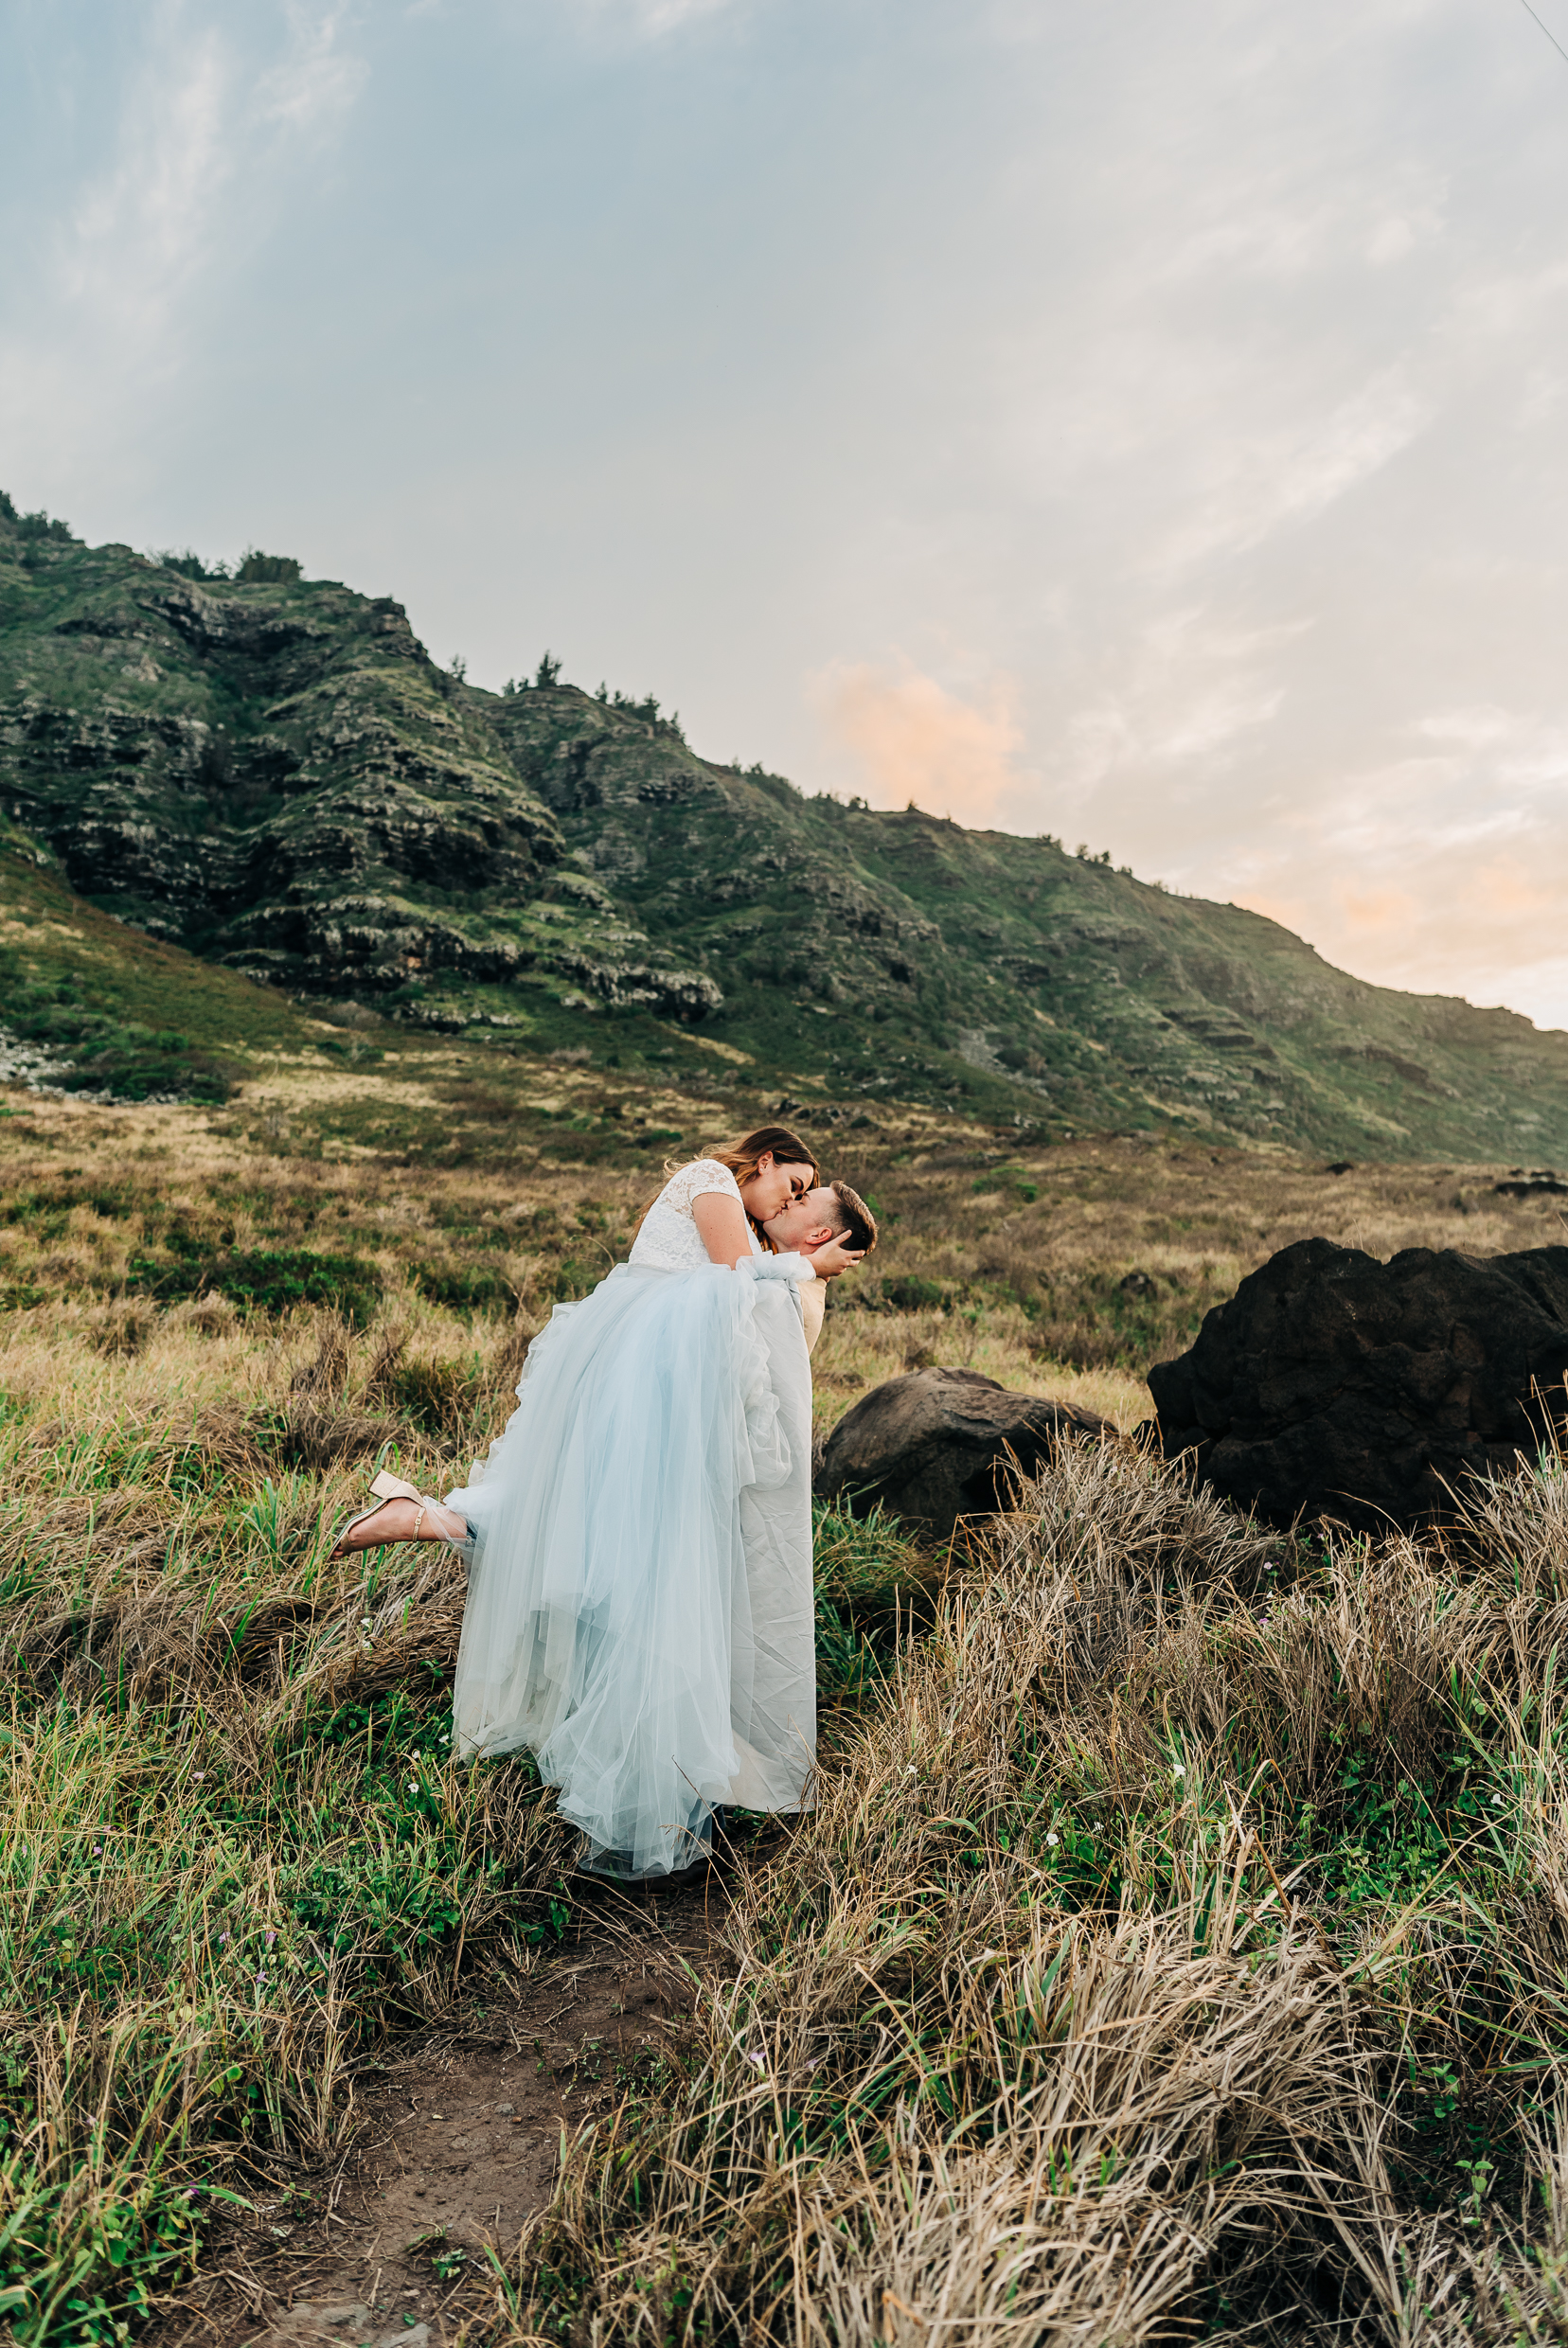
(447, 2145)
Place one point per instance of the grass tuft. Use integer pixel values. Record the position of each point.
(1177, 1950)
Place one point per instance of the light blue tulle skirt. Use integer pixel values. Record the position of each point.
(639, 1609)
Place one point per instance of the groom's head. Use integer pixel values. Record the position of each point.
(832, 1212)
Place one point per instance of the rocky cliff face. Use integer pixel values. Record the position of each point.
(275, 774)
(278, 776)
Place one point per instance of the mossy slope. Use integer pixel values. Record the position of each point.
(272, 772)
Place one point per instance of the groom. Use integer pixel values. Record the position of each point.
(832, 1212)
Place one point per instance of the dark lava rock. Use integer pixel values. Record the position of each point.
(1334, 1386)
(934, 1446)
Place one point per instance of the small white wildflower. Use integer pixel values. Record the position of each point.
(201, 1777)
(1497, 1802)
(413, 1784)
(1180, 1770)
(754, 2055)
(1053, 1841)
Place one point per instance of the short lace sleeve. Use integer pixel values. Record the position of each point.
(701, 1179)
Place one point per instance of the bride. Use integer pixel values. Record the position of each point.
(639, 1609)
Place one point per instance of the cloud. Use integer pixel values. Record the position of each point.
(1505, 890)
(1380, 910)
(1443, 872)
(1281, 224)
(318, 79)
(193, 123)
(1181, 385)
(1288, 477)
(204, 137)
(1194, 691)
(654, 18)
(136, 236)
(917, 742)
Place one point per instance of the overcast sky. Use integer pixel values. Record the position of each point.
(1141, 420)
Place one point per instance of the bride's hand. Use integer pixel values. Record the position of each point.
(835, 1257)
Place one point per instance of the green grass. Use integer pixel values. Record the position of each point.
(873, 1583)
(271, 1280)
(117, 1012)
(238, 1850)
(238, 1853)
(1255, 1845)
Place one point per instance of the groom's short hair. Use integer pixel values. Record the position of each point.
(855, 1223)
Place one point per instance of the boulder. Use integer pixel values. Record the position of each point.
(1334, 1386)
(940, 1444)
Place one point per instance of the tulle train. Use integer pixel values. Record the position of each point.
(639, 1607)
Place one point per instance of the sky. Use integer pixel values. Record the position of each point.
(1144, 422)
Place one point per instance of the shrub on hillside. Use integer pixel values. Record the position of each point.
(267, 1280)
(257, 569)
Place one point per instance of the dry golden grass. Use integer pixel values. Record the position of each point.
(1177, 1949)
(1169, 1956)
(858, 1350)
(1110, 1264)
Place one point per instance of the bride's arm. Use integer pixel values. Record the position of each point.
(722, 1226)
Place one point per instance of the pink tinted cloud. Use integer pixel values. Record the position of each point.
(915, 740)
(1381, 909)
(1506, 891)
(1456, 925)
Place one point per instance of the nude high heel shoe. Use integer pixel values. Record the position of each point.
(387, 1486)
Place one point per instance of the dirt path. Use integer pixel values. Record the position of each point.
(449, 2144)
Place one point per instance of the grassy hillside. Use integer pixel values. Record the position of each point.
(271, 773)
(101, 1007)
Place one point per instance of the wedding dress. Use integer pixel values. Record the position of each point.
(639, 1606)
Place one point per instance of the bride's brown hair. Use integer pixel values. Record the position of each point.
(741, 1158)
(744, 1156)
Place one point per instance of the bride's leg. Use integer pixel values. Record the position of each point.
(402, 1520)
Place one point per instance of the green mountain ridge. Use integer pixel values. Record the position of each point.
(273, 775)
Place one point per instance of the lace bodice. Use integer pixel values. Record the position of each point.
(670, 1239)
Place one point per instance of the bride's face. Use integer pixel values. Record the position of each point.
(773, 1186)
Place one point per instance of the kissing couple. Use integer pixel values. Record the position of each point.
(639, 1611)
